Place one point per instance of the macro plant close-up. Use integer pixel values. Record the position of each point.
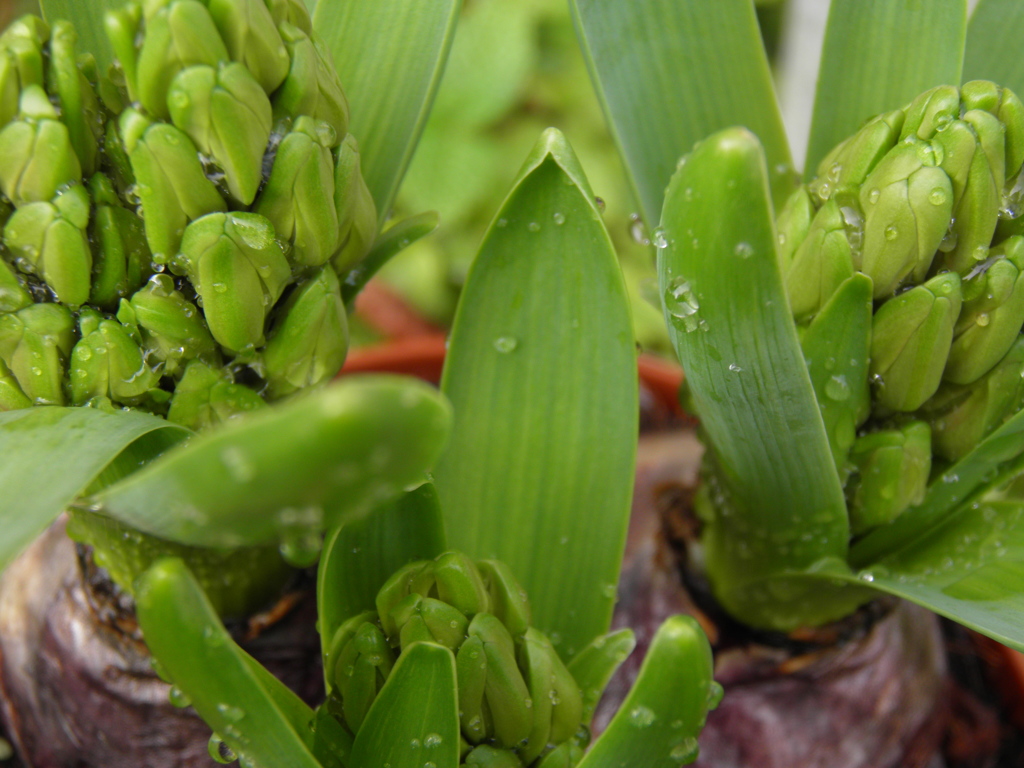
(227, 534)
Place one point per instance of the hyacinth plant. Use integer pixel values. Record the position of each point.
(495, 653)
(852, 344)
(183, 237)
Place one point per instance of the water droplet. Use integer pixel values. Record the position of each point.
(873, 196)
(837, 389)
(892, 232)
(301, 549)
(715, 694)
(231, 713)
(528, 703)
(178, 698)
(432, 740)
(220, 751)
(744, 250)
(238, 464)
(415, 743)
(658, 238)
(558, 217)
(501, 223)
(609, 590)
(937, 196)
(866, 576)
(681, 303)
(982, 319)
(505, 344)
(641, 716)
(533, 226)
(735, 368)
(685, 752)
(220, 287)
(637, 230)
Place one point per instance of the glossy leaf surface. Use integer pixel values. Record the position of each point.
(51, 455)
(361, 555)
(88, 20)
(993, 44)
(671, 72)
(290, 471)
(541, 373)
(193, 648)
(878, 55)
(781, 506)
(658, 723)
(390, 55)
(415, 718)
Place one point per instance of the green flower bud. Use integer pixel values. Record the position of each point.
(121, 258)
(227, 114)
(80, 109)
(292, 12)
(250, 34)
(793, 224)
(910, 339)
(821, 263)
(309, 339)
(21, 62)
(471, 675)
(362, 667)
(992, 314)
(460, 584)
(555, 695)
(299, 195)
(239, 271)
(171, 329)
(504, 690)
(891, 473)
(180, 34)
(170, 181)
(975, 197)
(515, 693)
(850, 162)
(107, 362)
(13, 295)
(507, 598)
(38, 156)
(206, 397)
(123, 26)
(35, 343)
(312, 87)
(11, 396)
(50, 239)
(961, 416)
(930, 111)
(907, 203)
(566, 755)
(357, 213)
(487, 756)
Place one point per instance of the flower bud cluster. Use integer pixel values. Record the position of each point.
(926, 202)
(518, 703)
(173, 236)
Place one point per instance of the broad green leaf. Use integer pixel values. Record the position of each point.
(878, 55)
(415, 718)
(671, 72)
(88, 20)
(51, 455)
(361, 555)
(781, 505)
(593, 667)
(390, 55)
(993, 44)
(195, 651)
(288, 472)
(976, 472)
(969, 569)
(394, 239)
(541, 373)
(658, 723)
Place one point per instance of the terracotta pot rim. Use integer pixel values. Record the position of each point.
(423, 356)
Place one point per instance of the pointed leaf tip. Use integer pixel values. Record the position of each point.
(553, 143)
